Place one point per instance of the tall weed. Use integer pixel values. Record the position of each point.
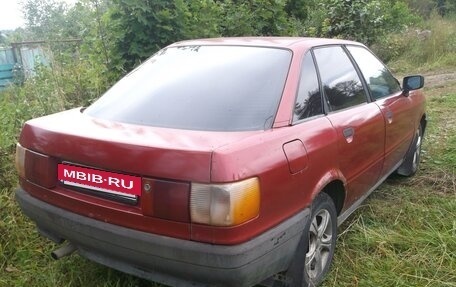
(419, 49)
(65, 84)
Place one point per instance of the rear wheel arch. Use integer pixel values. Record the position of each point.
(333, 184)
(336, 191)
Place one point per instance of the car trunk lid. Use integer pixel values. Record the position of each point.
(147, 151)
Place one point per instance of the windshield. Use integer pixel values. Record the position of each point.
(217, 88)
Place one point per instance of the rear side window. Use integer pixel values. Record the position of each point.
(341, 83)
(214, 88)
(308, 100)
(380, 81)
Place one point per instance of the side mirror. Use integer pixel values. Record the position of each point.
(411, 83)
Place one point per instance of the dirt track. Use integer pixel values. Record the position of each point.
(439, 80)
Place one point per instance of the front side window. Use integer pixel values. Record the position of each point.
(341, 83)
(308, 100)
(380, 81)
(213, 88)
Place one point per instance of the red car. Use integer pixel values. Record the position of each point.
(222, 162)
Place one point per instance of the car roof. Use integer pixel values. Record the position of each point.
(277, 42)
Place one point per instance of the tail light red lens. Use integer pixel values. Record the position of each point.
(166, 199)
(36, 167)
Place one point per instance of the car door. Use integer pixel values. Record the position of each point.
(358, 123)
(386, 92)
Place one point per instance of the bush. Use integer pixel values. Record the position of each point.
(139, 28)
(363, 20)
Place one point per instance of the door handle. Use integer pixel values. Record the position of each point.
(348, 134)
(389, 116)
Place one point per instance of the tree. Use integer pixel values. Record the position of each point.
(298, 8)
(46, 20)
(139, 28)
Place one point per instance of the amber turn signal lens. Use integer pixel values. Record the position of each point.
(225, 204)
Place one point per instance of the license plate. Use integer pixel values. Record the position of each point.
(116, 184)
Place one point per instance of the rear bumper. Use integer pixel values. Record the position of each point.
(165, 259)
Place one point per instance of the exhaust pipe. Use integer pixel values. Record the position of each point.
(63, 251)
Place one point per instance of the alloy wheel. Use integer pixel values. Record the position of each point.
(320, 244)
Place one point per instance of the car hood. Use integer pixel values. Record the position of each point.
(148, 151)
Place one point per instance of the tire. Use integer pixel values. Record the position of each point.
(315, 251)
(412, 159)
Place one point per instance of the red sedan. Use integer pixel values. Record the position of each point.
(222, 161)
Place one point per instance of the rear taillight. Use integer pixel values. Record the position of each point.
(212, 204)
(36, 167)
(225, 204)
(165, 199)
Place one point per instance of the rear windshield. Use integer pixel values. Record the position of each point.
(217, 88)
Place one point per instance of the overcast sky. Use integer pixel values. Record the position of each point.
(11, 15)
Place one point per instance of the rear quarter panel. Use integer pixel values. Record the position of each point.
(283, 194)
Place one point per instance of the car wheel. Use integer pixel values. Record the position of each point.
(412, 159)
(316, 248)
